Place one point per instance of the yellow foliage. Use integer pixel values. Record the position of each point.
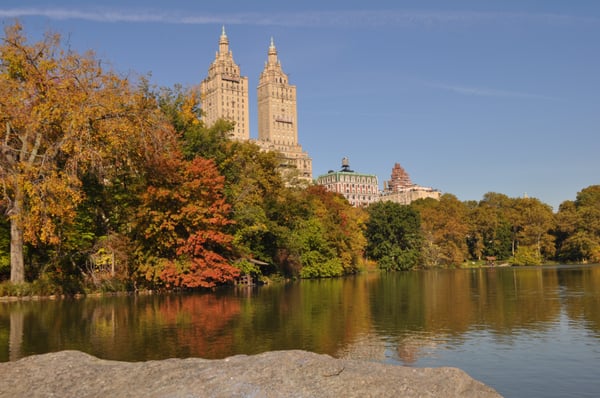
(61, 116)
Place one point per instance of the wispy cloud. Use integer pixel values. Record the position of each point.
(99, 15)
(489, 92)
(341, 18)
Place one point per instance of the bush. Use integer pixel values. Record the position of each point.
(326, 269)
(526, 255)
(399, 260)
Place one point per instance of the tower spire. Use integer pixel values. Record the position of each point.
(223, 42)
(272, 55)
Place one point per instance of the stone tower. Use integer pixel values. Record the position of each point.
(224, 92)
(277, 117)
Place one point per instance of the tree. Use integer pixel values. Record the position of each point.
(445, 228)
(393, 235)
(252, 182)
(490, 232)
(251, 177)
(62, 116)
(180, 228)
(578, 227)
(536, 221)
(316, 253)
(343, 224)
(331, 237)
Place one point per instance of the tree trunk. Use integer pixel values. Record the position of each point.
(17, 265)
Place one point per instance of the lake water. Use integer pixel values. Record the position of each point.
(527, 332)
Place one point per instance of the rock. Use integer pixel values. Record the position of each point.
(271, 374)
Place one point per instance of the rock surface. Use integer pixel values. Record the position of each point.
(271, 374)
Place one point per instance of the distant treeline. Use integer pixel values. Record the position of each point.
(519, 231)
(109, 184)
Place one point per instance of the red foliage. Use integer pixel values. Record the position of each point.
(185, 221)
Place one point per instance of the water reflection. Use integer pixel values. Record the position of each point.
(390, 317)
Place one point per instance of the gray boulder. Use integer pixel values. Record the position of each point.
(271, 374)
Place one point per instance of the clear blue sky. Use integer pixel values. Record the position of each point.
(468, 96)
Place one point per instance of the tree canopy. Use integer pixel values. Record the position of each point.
(63, 117)
(393, 235)
(111, 183)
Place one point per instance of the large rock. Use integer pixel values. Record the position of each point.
(272, 374)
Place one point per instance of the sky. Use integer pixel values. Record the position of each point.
(469, 97)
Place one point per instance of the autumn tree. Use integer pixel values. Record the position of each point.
(444, 225)
(251, 179)
(181, 227)
(578, 227)
(62, 116)
(535, 221)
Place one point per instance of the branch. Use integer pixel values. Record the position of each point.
(36, 147)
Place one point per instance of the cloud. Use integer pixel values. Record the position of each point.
(102, 15)
(488, 92)
(341, 18)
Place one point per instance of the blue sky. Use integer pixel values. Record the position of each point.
(468, 96)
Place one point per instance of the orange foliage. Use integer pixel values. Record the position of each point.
(183, 223)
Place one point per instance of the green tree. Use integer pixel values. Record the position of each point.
(315, 233)
(316, 254)
(343, 226)
(490, 231)
(393, 235)
(252, 184)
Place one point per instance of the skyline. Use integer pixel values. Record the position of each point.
(469, 98)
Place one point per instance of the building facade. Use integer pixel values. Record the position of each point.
(400, 188)
(224, 92)
(360, 190)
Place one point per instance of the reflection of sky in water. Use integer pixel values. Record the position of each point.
(534, 357)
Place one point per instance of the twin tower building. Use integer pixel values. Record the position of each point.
(224, 95)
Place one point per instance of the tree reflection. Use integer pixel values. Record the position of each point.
(403, 316)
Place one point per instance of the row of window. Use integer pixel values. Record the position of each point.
(347, 178)
(347, 188)
(357, 190)
(233, 104)
(238, 93)
(368, 198)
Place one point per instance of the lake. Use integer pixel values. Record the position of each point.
(527, 332)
